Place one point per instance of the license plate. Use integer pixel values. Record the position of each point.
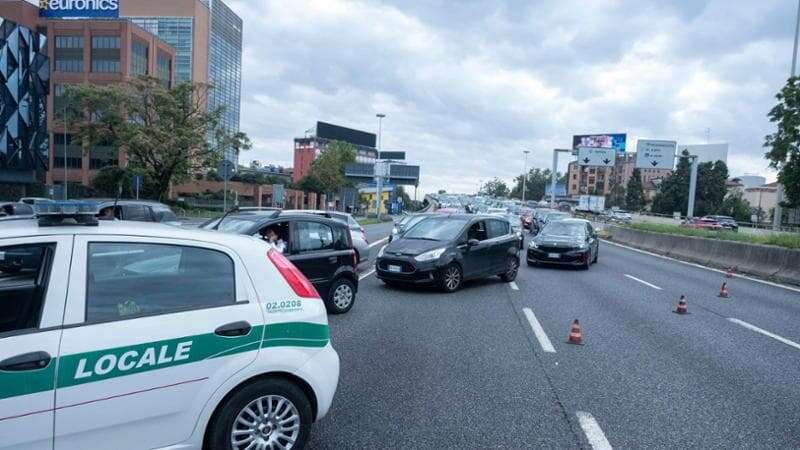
(395, 268)
(554, 255)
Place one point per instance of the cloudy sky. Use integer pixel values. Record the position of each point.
(468, 85)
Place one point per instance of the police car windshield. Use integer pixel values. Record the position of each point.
(436, 229)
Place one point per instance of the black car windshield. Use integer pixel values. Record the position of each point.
(231, 225)
(561, 228)
(413, 221)
(437, 229)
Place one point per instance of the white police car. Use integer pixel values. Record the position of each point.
(136, 336)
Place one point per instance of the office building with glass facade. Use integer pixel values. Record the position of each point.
(95, 52)
(207, 37)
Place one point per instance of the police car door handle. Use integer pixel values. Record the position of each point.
(233, 329)
(26, 361)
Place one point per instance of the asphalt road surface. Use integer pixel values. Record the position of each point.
(423, 369)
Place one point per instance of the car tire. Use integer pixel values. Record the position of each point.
(512, 268)
(341, 296)
(452, 277)
(285, 397)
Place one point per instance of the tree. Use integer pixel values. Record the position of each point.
(537, 183)
(634, 195)
(495, 188)
(737, 207)
(165, 132)
(327, 171)
(616, 197)
(784, 144)
(673, 193)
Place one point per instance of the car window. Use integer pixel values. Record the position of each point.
(589, 229)
(312, 236)
(139, 213)
(165, 215)
(133, 279)
(477, 231)
(496, 228)
(24, 271)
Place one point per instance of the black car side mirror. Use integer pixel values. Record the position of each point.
(473, 242)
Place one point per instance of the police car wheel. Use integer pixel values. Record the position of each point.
(268, 414)
(341, 296)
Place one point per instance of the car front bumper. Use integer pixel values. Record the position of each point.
(570, 258)
(412, 271)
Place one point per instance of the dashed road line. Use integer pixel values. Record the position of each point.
(538, 331)
(514, 286)
(765, 333)
(378, 242)
(745, 277)
(366, 275)
(643, 282)
(594, 434)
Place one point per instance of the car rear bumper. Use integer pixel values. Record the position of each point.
(321, 372)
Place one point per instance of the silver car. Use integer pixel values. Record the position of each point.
(357, 234)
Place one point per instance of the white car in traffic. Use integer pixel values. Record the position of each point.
(123, 335)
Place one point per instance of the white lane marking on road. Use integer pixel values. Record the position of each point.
(594, 434)
(366, 275)
(514, 286)
(765, 333)
(745, 277)
(643, 282)
(378, 242)
(544, 341)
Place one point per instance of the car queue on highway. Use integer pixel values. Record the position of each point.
(230, 315)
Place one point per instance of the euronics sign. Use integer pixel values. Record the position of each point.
(64, 9)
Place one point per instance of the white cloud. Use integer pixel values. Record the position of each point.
(466, 88)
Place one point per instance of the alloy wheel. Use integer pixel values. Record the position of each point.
(511, 268)
(452, 278)
(269, 422)
(343, 296)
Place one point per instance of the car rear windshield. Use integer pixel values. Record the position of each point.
(437, 229)
(565, 229)
(231, 225)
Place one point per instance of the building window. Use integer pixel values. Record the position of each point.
(105, 54)
(164, 69)
(69, 54)
(139, 58)
(74, 152)
(102, 155)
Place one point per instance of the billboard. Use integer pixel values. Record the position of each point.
(337, 133)
(610, 140)
(707, 152)
(71, 9)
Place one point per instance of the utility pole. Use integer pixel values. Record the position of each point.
(556, 151)
(66, 183)
(776, 219)
(379, 170)
(524, 175)
(692, 186)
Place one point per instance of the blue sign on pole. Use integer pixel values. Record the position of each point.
(78, 8)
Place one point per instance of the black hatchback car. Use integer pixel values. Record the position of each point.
(565, 242)
(446, 250)
(321, 248)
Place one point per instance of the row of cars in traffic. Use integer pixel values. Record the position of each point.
(128, 333)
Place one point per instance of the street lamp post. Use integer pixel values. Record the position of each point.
(556, 151)
(66, 183)
(776, 219)
(524, 175)
(379, 170)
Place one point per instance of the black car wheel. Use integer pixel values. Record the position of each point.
(512, 268)
(341, 296)
(451, 278)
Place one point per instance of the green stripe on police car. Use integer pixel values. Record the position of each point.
(82, 368)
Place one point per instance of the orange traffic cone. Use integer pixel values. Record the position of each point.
(575, 333)
(683, 306)
(723, 291)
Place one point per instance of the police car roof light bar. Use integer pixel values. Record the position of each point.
(67, 212)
